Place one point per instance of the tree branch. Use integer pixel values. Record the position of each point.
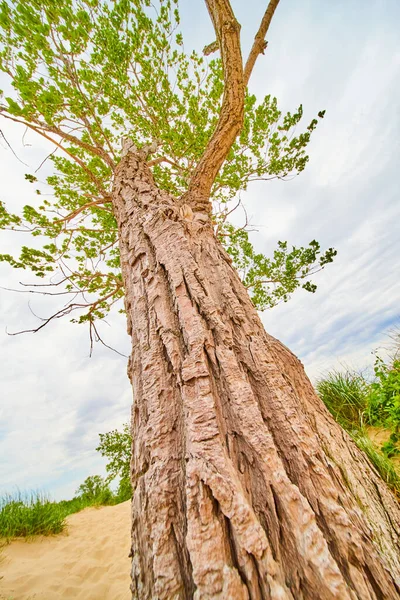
(160, 159)
(37, 125)
(77, 211)
(231, 115)
(259, 43)
(41, 131)
(68, 309)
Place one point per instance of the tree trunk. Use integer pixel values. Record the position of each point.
(244, 485)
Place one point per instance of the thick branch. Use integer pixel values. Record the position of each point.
(259, 43)
(231, 116)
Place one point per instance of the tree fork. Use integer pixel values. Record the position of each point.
(244, 486)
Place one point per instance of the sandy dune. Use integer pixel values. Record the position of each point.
(89, 562)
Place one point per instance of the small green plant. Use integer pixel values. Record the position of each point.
(390, 448)
(345, 396)
(124, 491)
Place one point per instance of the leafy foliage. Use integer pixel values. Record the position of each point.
(384, 395)
(272, 280)
(117, 447)
(95, 488)
(391, 448)
(91, 72)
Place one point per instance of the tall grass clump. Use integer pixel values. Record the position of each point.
(30, 514)
(382, 463)
(345, 396)
(355, 403)
(26, 515)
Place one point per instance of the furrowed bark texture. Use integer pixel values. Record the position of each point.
(244, 486)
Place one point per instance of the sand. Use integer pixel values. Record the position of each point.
(88, 562)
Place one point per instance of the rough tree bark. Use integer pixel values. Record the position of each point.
(244, 486)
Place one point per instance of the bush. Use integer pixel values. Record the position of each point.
(94, 490)
(117, 447)
(124, 491)
(384, 395)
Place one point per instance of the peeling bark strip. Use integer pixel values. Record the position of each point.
(245, 487)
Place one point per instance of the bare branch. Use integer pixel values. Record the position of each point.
(99, 339)
(312, 272)
(41, 131)
(62, 134)
(160, 159)
(9, 145)
(79, 210)
(231, 115)
(36, 292)
(43, 284)
(57, 315)
(44, 160)
(259, 43)
(67, 310)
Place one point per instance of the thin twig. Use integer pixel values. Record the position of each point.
(9, 145)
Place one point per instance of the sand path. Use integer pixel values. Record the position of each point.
(88, 562)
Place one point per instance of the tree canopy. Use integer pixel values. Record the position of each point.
(85, 74)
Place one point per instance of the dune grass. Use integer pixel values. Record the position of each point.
(29, 514)
(347, 396)
(382, 463)
(26, 515)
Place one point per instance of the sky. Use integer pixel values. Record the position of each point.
(342, 57)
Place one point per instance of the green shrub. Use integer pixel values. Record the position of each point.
(68, 507)
(124, 491)
(353, 402)
(383, 403)
(391, 448)
(117, 447)
(95, 490)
